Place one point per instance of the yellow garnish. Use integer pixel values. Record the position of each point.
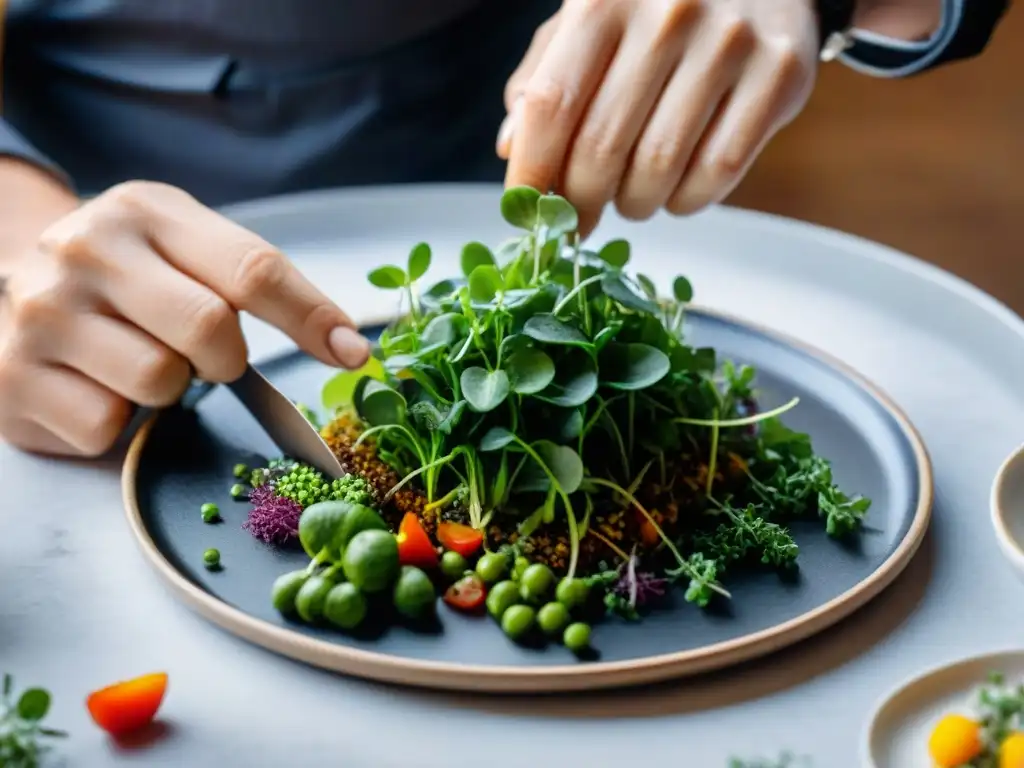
(956, 740)
(1011, 753)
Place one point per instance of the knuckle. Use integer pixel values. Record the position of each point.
(546, 98)
(677, 16)
(737, 39)
(260, 271)
(790, 70)
(205, 322)
(663, 157)
(158, 377)
(604, 147)
(129, 198)
(102, 425)
(71, 242)
(40, 305)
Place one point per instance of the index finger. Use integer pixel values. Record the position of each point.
(555, 98)
(254, 276)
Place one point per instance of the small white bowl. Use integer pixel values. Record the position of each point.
(897, 734)
(1007, 506)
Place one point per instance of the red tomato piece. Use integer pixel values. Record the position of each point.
(460, 538)
(414, 546)
(466, 594)
(125, 707)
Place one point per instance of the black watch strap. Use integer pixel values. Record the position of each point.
(834, 16)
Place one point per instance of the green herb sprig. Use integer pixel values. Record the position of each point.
(21, 728)
(547, 382)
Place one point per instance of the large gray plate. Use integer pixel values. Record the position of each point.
(185, 459)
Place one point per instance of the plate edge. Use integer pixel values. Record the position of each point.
(562, 678)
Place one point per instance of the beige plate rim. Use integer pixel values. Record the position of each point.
(871, 725)
(1008, 543)
(563, 678)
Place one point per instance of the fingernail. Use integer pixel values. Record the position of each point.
(349, 348)
(508, 126)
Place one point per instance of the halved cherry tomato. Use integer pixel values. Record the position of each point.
(414, 547)
(648, 533)
(460, 538)
(466, 594)
(128, 706)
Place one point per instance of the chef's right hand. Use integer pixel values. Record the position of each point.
(124, 299)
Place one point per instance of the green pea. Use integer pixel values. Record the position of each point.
(520, 565)
(211, 559)
(309, 602)
(552, 618)
(491, 567)
(517, 621)
(345, 606)
(237, 491)
(535, 582)
(453, 565)
(577, 636)
(502, 596)
(240, 471)
(210, 513)
(572, 593)
(285, 589)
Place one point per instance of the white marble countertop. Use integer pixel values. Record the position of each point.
(79, 607)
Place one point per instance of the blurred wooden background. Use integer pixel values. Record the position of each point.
(932, 165)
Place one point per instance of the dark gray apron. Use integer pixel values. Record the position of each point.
(234, 99)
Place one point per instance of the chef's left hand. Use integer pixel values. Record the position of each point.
(655, 103)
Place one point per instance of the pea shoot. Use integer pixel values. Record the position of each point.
(22, 733)
(549, 397)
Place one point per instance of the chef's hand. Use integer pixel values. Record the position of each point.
(655, 103)
(121, 300)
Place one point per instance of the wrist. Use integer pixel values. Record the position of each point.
(909, 20)
(30, 200)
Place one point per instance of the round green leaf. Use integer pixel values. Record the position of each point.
(519, 207)
(575, 381)
(33, 704)
(484, 282)
(381, 404)
(616, 288)
(606, 334)
(564, 424)
(495, 439)
(529, 370)
(439, 293)
(557, 214)
(615, 253)
(483, 390)
(419, 261)
(633, 366)
(388, 277)
(339, 391)
(441, 329)
(475, 255)
(563, 462)
(647, 285)
(682, 289)
(549, 329)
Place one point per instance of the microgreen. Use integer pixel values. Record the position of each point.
(21, 726)
(547, 386)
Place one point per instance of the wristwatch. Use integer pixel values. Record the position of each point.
(835, 20)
